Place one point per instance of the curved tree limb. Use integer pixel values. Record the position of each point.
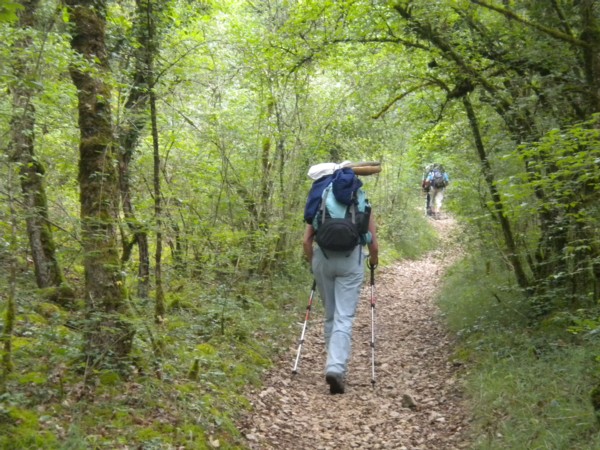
(399, 97)
(549, 31)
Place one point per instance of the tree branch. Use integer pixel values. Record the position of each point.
(549, 31)
(391, 103)
(561, 16)
(380, 40)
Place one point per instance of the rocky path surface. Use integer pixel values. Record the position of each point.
(415, 402)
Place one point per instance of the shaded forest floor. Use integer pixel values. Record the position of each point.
(416, 400)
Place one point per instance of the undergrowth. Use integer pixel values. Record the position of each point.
(186, 382)
(528, 379)
(407, 235)
(184, 387)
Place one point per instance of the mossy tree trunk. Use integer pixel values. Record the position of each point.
(108, 333)
(48, 273)
(151, 50)
(10, 311)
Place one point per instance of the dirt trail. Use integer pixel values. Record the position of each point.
(416, 400)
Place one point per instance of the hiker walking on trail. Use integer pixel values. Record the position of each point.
(426, 188)
(339, 220)
(435, 184)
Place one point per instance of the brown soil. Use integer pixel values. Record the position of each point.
(415, 400)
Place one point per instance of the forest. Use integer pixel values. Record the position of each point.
(155, 155)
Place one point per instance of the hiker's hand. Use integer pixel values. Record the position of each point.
(308, 260)
(307, 257)
(372, 263)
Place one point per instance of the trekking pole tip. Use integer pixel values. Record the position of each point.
(294, 372)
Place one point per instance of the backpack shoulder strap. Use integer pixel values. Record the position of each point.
(324, 204)
(353, 207)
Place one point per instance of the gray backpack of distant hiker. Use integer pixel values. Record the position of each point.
(438, 179)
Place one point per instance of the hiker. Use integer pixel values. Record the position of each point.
(435, 182)
(338, 268)
(426, 188)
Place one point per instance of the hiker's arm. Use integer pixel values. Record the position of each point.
(373, 246)
(307, 242)
(426, 181)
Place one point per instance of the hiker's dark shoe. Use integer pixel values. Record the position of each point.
(335, 382)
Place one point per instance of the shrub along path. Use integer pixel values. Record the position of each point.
(416, 400)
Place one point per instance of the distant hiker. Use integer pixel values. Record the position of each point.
(435, 183)
(339, 220)
(426, 188)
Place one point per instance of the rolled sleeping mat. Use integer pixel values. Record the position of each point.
(360, 168)
(362, 164)
(366, 167)
(366, 170)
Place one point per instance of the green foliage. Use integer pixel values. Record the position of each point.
(561, 191)
(250, 95)
(406, 235)
(528, 385)
(487, 297)
(230, 335)
(534, 402)
(9, 10)
(22, 428)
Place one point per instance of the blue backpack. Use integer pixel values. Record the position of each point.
(342, 215)
(313, 202)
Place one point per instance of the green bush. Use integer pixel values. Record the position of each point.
(528, 382)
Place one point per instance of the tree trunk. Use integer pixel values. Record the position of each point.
(159, 306)
(151, 48)
(591, 53)
(509, 241)
(136, 108)
(10, 312)
(108, 335)
(140, 236)
(48, 273)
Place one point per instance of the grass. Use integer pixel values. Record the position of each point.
(528, 381)
(407, 235)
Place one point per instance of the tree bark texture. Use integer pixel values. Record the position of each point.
(591, 53)
(151, 50)
(159, 305)
(48, 273)
(108, 335)
(10, 312)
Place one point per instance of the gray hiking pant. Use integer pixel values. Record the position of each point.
(437, 197)
(339, 277)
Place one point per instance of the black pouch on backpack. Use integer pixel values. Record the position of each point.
(362, 220)
(338, 235)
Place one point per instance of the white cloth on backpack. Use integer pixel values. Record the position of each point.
(320, 170)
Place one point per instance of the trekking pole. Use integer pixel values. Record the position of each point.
(308, 308)
(372, 267)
